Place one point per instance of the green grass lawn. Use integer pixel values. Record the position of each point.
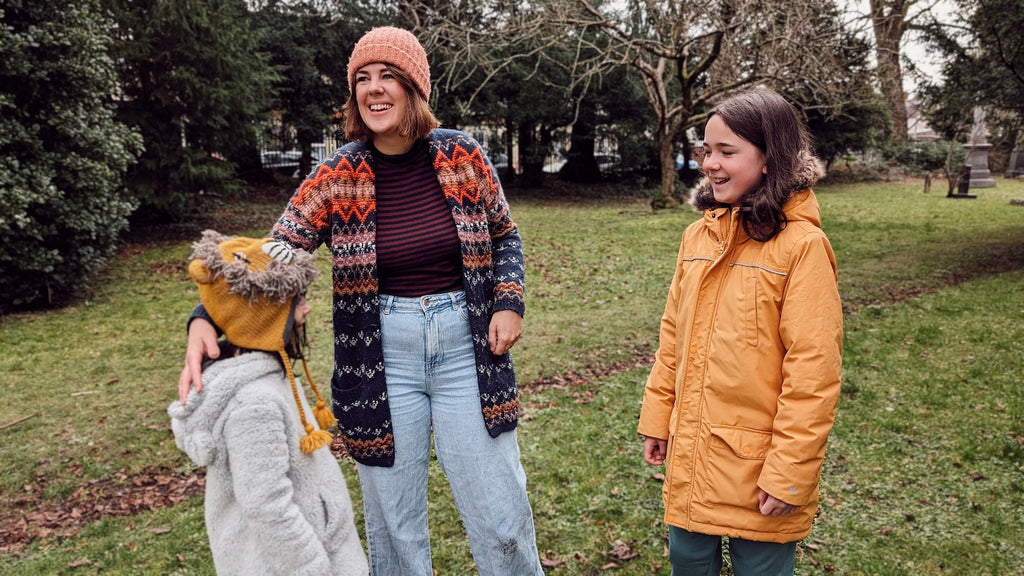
(924, 470)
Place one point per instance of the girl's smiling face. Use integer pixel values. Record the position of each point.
(382, 102)
(734, 165)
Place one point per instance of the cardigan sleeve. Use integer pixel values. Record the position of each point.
(507, 247)
(298, 224)
(307, 219)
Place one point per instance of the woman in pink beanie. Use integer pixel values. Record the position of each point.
(428, 300)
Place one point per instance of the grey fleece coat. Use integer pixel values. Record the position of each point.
(270, 509)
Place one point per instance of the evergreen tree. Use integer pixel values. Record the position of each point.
(197, 87)
(982, 66)
(851, 116)
(63, 155)
(309, 50)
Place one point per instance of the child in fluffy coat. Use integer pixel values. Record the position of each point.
(276, 501)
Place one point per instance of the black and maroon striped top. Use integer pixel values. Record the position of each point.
(418, 249)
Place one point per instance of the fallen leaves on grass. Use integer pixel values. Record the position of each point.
(621, 552)
(31, 516)
(550, 559)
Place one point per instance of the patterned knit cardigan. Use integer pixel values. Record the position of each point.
(336, 206)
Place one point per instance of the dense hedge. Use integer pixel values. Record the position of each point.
(63, 155)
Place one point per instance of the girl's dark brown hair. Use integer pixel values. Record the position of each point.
(766, 120)
(419, 120)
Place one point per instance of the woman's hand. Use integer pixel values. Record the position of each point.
(772, 506)
(202, 343)
(505, 330)
(655, 450)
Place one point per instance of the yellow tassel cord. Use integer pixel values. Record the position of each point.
(314, 439)
(323, 414)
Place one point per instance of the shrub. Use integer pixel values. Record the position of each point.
(926, 157)
(62, 154)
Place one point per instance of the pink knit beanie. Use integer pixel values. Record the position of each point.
(394, 46)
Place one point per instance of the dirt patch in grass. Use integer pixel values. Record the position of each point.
(573, 377)
(32, 516)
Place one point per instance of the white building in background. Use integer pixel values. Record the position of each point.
(917, 128)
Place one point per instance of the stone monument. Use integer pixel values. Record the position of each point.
(977, 152)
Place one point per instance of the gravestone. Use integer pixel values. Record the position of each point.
(1015, 166)
(977, 153)
(964, 185)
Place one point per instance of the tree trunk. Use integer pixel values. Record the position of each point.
(530, 157)
(888, 21)
(306, 159)
(580, 164)
(667, 197)
(509, 177)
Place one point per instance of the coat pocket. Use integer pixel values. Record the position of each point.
(751, 303)
(732, 465)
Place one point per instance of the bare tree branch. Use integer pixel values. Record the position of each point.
(688, 53)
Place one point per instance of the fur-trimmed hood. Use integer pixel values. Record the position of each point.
(809, 171)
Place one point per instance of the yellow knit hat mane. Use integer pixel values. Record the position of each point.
(249, 287)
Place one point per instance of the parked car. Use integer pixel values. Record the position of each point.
(553, 165)
(282, 161)
(606, 161)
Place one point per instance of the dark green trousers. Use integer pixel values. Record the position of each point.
(693, 554)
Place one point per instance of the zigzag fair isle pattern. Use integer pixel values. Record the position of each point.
(336, 206)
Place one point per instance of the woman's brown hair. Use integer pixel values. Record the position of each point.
(766, 120)
(419, 120)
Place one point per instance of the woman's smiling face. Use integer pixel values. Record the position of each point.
(734, 165)
(383, 103)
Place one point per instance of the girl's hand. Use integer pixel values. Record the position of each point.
(505, 330)
(655, 450)
(202, 342)
(772, 506)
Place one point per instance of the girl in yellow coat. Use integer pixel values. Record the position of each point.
(742, 395)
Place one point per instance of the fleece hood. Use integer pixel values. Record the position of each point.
(195, 424)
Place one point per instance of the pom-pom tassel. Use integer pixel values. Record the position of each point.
(323, 415)
(314, 439)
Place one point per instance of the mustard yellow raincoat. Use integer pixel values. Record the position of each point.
(746, 377)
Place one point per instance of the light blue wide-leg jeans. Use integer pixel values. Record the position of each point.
(431, 381)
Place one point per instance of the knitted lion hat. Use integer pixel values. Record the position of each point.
(249, 287)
